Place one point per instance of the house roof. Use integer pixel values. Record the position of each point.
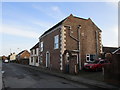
(80, 18)
(117, 51)
(109, 49)
(36, 46)
(63, 21)
(22, 52)
(53, 27)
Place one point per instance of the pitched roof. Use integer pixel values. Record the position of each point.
(117, 51)
(21, 52)
(109, 49)
(80, 18)
(36, 46)
(63, 21)
(53, 27)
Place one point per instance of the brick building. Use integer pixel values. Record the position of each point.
(73, 40)
(34, 60)
(23, 57)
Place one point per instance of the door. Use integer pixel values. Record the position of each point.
(47, 59)
(34, 61)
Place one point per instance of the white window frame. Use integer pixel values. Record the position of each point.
(88, 56)
(41, 46)
(56, 42)
(37, 51)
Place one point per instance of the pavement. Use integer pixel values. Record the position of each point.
(74, 78)
(0, 74)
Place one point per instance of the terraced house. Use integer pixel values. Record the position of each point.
(34, 60)
(69, 44)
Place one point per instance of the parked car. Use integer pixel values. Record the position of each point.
(6, 61)
(97, 65)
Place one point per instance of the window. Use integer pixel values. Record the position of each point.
(102, 62)
(31, 59)
(40, 59)
(56, 42)
(35, 51)
(31, 52)
(41, 46)
(36, 60)
(90, 57)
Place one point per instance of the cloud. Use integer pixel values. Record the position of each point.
(52, 11)
(18, 32)
(55, 8)
(113, 4)
(42, 24)
(110, 36)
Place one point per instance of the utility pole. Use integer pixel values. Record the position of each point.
(10, 51)
(17, 50)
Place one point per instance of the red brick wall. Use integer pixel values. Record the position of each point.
(87, 36)
(87, 39)
(48, 44)
(25, 54)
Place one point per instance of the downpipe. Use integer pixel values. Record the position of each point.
(77, 40)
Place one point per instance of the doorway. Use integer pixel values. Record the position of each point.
(47, 59)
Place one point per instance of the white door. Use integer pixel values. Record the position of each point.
(47, 59)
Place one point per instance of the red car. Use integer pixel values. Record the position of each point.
(97, 65)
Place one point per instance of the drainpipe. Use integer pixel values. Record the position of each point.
(97, 43)
(78, 40)
(79, 47)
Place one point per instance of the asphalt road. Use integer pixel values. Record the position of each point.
(17, 76)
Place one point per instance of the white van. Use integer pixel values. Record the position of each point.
(6, 61)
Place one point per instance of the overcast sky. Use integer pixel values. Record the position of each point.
(24, 22)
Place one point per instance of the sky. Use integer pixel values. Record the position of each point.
(24, 22)
(119, 24)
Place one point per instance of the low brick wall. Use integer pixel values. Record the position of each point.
(24, 61)
(73, 67)
(112, 71)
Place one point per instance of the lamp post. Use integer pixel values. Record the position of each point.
(10, 51)
(18, 50)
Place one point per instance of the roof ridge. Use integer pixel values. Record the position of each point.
(37, 44)
(59, 23)
(79, 18)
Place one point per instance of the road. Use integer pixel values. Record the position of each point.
(17, 76)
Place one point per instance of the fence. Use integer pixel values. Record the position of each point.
(112, 71)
